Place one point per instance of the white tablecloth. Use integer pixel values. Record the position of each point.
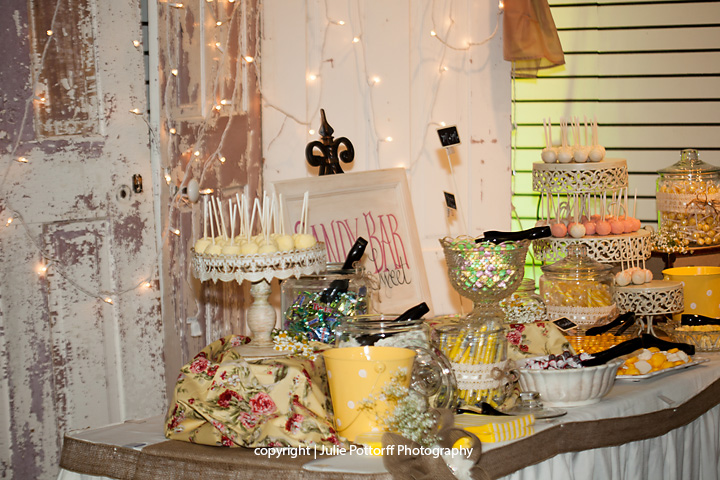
(689, 452)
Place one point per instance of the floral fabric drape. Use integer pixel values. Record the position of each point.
(221, 399)
(530, 39)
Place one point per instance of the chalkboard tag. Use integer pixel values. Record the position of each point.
(564, 324)
(450, 200)
(448, 136)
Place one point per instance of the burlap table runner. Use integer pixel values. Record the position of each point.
(185, 461)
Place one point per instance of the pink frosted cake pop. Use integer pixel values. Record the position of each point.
(558, 230)
(590, 227)
(603, 227)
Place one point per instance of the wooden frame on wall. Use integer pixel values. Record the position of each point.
(374, 205)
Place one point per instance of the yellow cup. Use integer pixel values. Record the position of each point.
(357, 373)
(701, 288)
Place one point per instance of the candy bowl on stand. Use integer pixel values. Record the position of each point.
(484, 272)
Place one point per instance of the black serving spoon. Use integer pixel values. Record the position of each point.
(483, 408)
(626, 319)
(625, 348)
(495, 236)
(692, 319)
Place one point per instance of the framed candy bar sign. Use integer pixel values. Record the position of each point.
(374, 205)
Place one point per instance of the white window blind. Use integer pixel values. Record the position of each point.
(648, 70)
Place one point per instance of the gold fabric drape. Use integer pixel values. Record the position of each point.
(530, 39)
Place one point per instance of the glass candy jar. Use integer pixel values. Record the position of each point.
(478, 355)
(578, 288)
(688, 193)
(524, 306)
(432, 375)
(314, 304)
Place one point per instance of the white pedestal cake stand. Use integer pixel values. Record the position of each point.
(260, 270)
(659, 297)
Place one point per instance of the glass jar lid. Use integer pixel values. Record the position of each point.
(577, 264)
(689, 164)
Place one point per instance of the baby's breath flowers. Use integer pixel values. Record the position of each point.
(409, 417)
(297, 344)
(670, 239)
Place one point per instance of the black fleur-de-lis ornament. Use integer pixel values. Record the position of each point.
(325, 153)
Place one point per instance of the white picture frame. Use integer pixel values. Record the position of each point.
(375, 205)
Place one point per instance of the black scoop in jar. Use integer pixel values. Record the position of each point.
(414, 313)
(495, 236)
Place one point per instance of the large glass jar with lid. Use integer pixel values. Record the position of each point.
(688, 195)
(313, 305)
(578, 288)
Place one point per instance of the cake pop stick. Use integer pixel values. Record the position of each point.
(603, 226)
(256, 207)
(240, 218)
(304, 222)
(212, 230)
(549, 154)
(580, 153)
(222, 218)
(282, 214)
(576, 230)
(564, 152)
(597, 153)
(215, 215)
(232, 221)
(558, 229)
(205, 215)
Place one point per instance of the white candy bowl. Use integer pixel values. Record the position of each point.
(570, 387)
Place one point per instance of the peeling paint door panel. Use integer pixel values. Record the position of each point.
(209, 130)
(80, 322)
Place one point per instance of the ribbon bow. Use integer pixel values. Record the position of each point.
(405, 464)
(703, 204)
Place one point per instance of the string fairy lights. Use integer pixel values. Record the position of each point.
(228, 106)
(355, 24)
(48, 262)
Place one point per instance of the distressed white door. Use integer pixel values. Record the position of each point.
(81, 342)
(208, 124)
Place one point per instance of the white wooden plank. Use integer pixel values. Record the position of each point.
(594, 3)
(651, 39)
(648, 161)
(635, 15)
(675, 136)
(637, 64)
(618, 88)
(689, 112)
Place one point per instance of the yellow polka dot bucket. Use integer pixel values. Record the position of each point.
(701, 288)
(357, 374)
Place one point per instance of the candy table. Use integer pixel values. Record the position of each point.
(663, 427)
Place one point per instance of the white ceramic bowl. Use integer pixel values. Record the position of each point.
(571, 387)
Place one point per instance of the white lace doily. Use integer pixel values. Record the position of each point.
(256, 267)
(582, 316)
(688, 203)
(628, 247)
(658, 297)
(483, 376)
(580, 178)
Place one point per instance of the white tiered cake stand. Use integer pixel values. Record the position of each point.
(260, 270)
(655, 298)
(587, 178)
(659, 297)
